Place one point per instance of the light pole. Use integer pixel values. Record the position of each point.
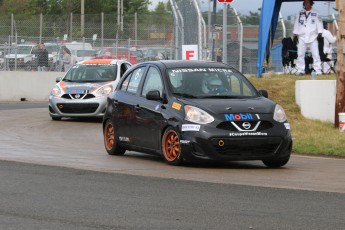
(82, 19)
(213, 23)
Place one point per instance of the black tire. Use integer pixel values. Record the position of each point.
(276, 163)
(111, 140)
(54, 118)
(28, 66)
(171, 147)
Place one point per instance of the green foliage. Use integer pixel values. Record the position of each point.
(71, 6)
(252, 19)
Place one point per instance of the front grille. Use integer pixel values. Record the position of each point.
(81, 96)
(247, 147)
(226, 125)
(77, 107)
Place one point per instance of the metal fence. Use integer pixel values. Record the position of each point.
(184, 25)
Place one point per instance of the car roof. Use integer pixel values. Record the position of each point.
(26, 45)
(99, 61)
(189, 64)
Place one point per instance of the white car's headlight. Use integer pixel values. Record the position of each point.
(55, 91)
(279, 114)
(105, 90)
(197, 115)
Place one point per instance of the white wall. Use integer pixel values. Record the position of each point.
(34, 86)
(316, 99)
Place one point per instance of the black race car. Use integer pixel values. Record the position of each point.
(194, 110)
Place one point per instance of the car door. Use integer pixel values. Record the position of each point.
(126, 102)
(148, 112)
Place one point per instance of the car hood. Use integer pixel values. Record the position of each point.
(77, 87)
(221, 106)
(18, 55)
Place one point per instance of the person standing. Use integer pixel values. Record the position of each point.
(66, 59)
(219, 55)
(42, 58)
(328, 40)
(307, 28)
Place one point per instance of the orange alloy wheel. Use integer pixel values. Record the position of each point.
(109, 136)
(171, 146)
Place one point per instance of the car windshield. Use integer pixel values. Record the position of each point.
(52, 48)
(209, 83)
(22, 50)
(91, 73)
(86, 53)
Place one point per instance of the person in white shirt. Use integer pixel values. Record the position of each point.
(307, 27)
(328, 40)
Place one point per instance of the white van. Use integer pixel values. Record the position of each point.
(78, 46)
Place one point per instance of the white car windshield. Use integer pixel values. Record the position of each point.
(21, 50)
(91, 73)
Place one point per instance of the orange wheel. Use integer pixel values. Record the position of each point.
(171, 147)
(110, 141)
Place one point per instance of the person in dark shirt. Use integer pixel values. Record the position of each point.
(42, 58)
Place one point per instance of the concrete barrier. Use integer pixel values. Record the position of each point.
(316, 98)
(33, 86)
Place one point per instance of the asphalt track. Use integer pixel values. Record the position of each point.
(30, 136)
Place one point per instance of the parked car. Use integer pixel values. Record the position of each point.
(157, 53)
(53, 52)
(2, 60)
(118, 53)
(83, 90)
(194, 110)
(20, 57)
(81, 55)
(78, 45)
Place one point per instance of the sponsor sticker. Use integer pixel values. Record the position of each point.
(247, 134)
(184, 142)
(75, 91)
(176, 106)
(191, 70)
(125, 139)
(238, 116)
(190, 127)
(287, 125)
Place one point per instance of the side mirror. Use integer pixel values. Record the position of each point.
(153, 95)
(263, 93)
(58, 79)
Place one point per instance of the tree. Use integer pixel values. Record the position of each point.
(252, 19)
(15, 6)
(162, 16)
(71, 6)
(340, 97)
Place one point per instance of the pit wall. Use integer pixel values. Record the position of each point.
(33, 86)
(316, 98)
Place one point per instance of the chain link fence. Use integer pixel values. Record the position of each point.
(166, 32)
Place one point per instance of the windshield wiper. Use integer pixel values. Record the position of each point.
(184, 95)
(67, 80)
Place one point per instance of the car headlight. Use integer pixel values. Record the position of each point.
(197, 115)
(279, 114)
(105, 90)
(55, 91)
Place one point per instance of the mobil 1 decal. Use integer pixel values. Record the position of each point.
(241, 116)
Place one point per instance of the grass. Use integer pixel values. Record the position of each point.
(310, 137)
